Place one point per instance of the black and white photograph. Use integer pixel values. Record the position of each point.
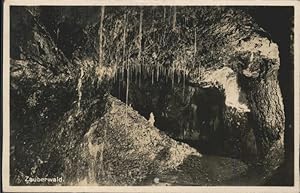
(150, 96)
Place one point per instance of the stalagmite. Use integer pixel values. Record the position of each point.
(151, 119)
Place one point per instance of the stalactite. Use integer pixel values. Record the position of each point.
(152, 15)
(152, 76)
(101, 55)
(127, 94)
(140, 78)
(164, 21)
(115, 77)
(119, 88)
(172, 77)
(178, 76)
(144, 69)
(164, 16)
(130, 69)
(174, 18)
(127, 88)
(141, 73)
(140, 44)
(136, 74)
(166, 75)
(183, 82)
(79, 88)
(140, 35)
(195, 46)
(122, 73)
(169, 16)
(124, 45)
(101, 59)
(157, 72)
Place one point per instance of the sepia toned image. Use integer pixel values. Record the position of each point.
(151, 95)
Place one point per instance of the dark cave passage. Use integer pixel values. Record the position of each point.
(188, 114)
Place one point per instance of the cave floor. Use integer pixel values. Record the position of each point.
(209, 171)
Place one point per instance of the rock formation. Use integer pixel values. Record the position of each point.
(61, 112)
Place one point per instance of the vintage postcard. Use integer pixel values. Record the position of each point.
(150, 96)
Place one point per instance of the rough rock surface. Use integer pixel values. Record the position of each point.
(114, 151)
(132, 148)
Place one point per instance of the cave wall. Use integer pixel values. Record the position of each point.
(279, 22)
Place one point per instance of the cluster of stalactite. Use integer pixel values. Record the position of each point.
(142, 59)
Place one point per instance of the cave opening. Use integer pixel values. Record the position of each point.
(186, 113)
